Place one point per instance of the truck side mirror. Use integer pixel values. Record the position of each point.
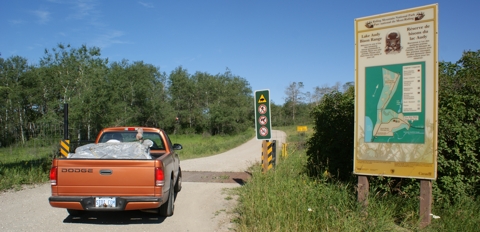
(177, 146)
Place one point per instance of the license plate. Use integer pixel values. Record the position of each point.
(105, 202)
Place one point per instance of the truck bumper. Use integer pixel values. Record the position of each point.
(88, 203)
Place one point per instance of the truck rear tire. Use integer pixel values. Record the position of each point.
(166, 210)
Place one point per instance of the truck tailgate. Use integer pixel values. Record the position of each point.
(105, 178)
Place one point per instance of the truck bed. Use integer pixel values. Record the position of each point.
(80, 177)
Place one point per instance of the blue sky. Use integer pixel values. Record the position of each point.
(269, 43)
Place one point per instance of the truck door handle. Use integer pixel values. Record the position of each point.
(105, 172)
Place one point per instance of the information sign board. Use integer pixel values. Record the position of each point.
(396, 93)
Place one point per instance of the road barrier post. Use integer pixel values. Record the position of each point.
(65, 148)
(65, 143)
(268, 159)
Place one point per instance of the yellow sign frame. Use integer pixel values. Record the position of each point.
(418, 30)
(302, 128)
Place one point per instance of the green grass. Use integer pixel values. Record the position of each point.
(196, 146)
(24, 165)
(286, 199)
(462, 216)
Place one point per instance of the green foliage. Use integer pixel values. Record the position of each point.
(17, 79)
(278, 115)
(331, 147)
(282, 115)
(220, 104)
(295, 111)
(137, 96)
(294, 97)
(459, 128)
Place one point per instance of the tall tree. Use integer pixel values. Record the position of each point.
(17, 106)
(138, 94)
(206, 86)
(294, 97)
(231, 111)
(75, 76)
(182, 95)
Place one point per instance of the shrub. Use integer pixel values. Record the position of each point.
(331, 147)
(459, 127)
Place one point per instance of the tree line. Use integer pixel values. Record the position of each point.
(102, 94)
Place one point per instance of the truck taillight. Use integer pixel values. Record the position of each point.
(159, 177)
(53, 175)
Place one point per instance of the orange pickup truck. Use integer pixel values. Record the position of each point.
(128, 168)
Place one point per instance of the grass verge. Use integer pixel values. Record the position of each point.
(196, 146)
(24, 165)
(286, 199)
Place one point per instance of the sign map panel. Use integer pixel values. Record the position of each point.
(394, 112)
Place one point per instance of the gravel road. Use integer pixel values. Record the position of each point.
(200, 206)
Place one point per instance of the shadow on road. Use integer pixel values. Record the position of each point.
(216, 177)
(125, 217)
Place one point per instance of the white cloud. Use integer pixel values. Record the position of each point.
(43, 16)
(15, 21)
(89, 13)
(109, 38)
(81, 9)
(84, 8)
(146, 4)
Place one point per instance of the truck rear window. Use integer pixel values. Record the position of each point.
(130, 136)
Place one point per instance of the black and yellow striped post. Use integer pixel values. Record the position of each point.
(65, 147)
(268, 155)
(65, 143)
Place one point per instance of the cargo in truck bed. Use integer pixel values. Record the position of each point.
(114, 150)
